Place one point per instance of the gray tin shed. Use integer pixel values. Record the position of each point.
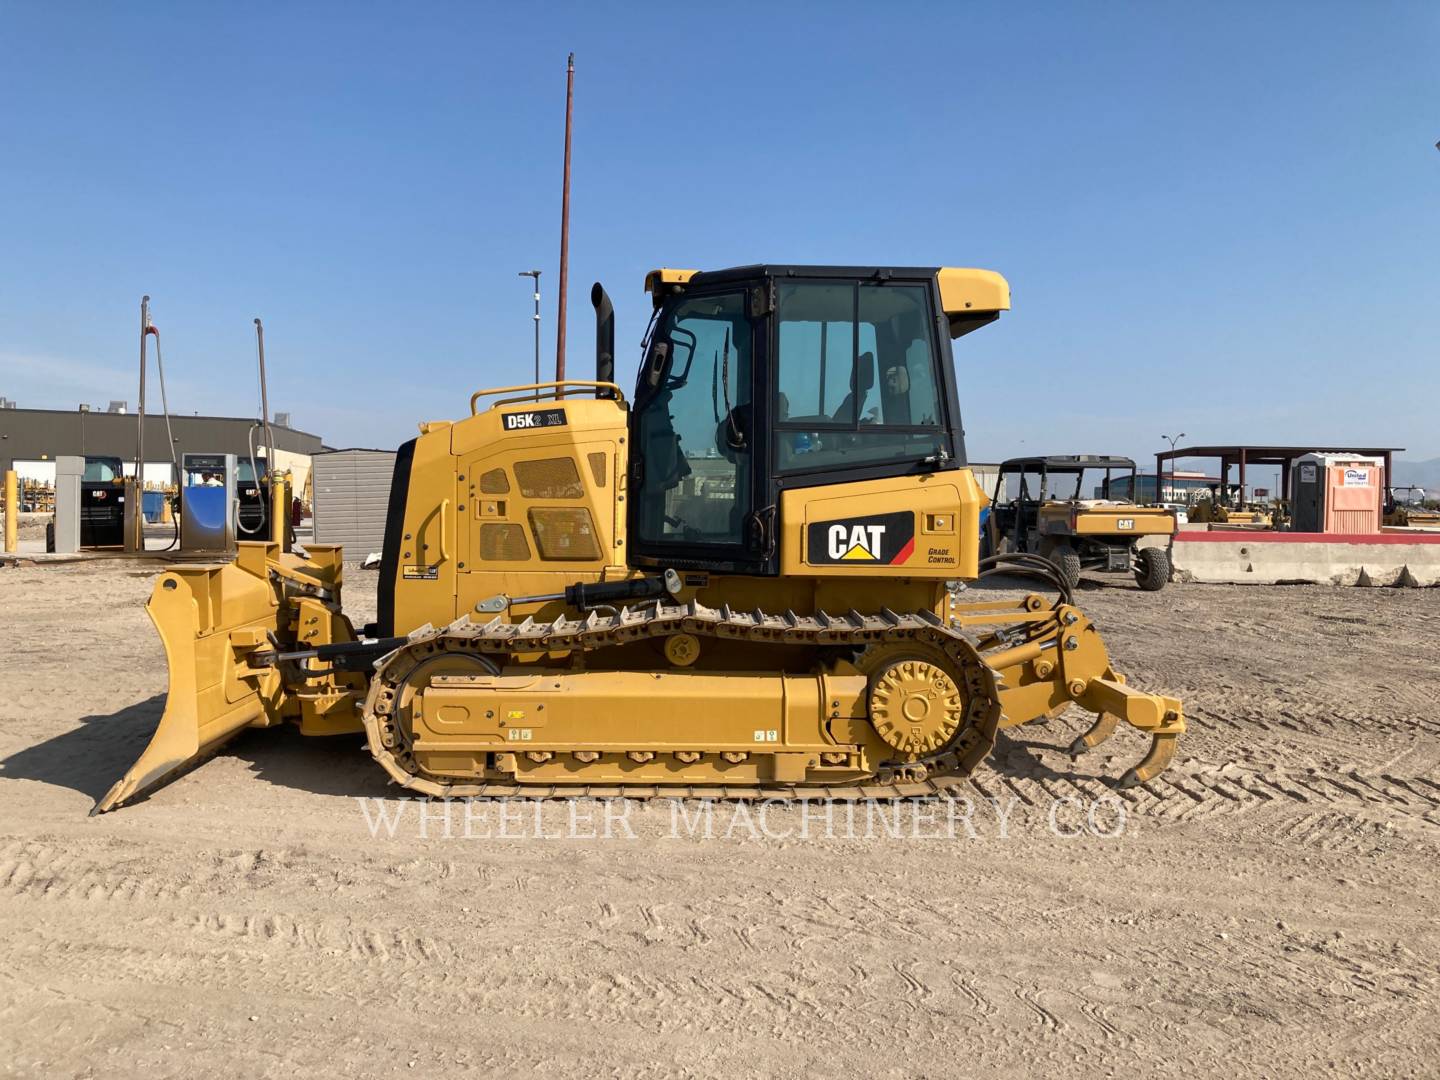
(351, 492)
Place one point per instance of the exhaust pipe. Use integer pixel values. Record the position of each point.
(604, 336)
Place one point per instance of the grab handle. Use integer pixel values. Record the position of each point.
(536, 391)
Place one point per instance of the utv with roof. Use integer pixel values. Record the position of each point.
(1039, 506)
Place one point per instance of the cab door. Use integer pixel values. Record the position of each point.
(693, 463)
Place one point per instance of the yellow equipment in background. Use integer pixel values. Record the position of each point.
(1210, 512)
(1411, 511)
(739, 582)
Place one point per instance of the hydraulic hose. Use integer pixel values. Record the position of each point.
(1028, 565)
(254, 469)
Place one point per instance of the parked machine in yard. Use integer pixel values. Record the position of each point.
(1049, 515)
(1407, 507)
(1211, 511)
(737, 583)
(102, 505)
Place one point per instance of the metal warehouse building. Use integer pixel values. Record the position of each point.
(351, 493)
(28, 435)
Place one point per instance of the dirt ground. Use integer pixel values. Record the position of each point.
(29, 526)
(1269, 907)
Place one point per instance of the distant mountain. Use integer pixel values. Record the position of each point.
(1424, 474)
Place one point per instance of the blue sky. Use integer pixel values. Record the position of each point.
(1222, 219)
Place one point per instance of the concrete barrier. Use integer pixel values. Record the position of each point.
(1276, 558)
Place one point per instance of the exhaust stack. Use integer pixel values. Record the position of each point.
(604, 335)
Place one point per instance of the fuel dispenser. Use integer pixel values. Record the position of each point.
(207, 499)
(222, 500)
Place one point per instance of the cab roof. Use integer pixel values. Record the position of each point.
(970, 297)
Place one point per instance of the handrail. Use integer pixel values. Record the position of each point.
(534, 389)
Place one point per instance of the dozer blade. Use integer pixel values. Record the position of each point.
(211, 619)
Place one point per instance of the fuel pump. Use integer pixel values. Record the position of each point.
(207, 502)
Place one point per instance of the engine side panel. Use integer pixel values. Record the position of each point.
(922, 526)
(523, 499)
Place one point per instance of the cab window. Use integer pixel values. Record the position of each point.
(857, 381)
(101, 470)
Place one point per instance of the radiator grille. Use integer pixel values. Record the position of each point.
(502, 542)
(549, 478)
(494, 482)
(597, 467)
(565, 533)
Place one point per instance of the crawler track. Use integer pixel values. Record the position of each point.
(935, 774)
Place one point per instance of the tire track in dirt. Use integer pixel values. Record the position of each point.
(1312, 719)
(115, 873)
(1196, 791)
(1332, 831)
(363, 943)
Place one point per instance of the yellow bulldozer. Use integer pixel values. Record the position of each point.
(743, 581)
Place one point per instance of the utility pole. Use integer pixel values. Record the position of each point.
(564, 228)
(536, 275)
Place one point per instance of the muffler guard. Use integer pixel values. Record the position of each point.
(212, 619)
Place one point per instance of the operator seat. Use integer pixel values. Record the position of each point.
(861, 381)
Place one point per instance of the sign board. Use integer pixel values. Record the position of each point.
(1356, 477)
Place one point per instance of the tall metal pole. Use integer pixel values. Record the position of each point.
(140, 442)
(536, 275)
(264, 405)
(564, 227)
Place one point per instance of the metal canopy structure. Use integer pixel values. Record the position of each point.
(1067, 462)
(1283, 456)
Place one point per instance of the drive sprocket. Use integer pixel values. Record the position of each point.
(915, 706)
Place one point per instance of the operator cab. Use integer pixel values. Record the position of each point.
(102, 503)
(760, 379)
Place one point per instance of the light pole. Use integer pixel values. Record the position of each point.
(536, 275)
(1172, 440)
